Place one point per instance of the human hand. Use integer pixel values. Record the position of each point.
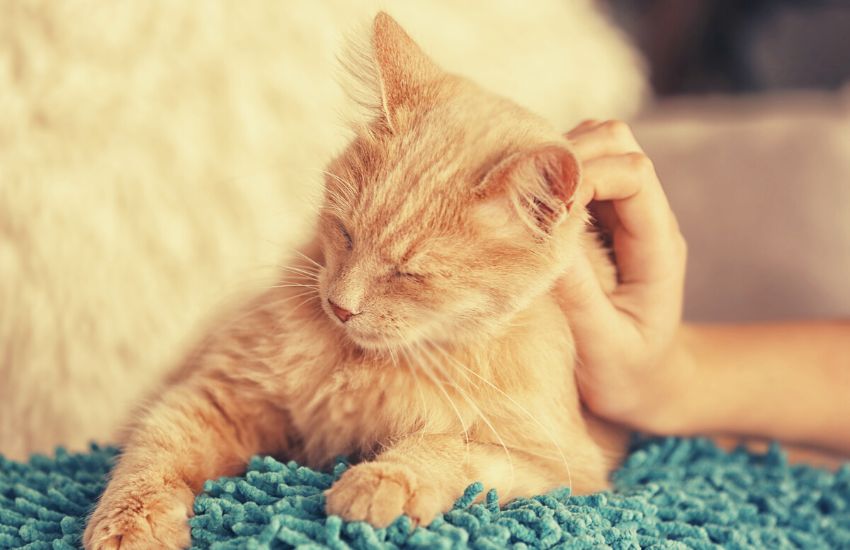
(624, 338)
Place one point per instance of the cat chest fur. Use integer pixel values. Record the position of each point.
(498, 390)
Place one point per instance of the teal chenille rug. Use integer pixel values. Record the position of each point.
(669, 493)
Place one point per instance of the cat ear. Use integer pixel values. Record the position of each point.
(404, 70)
(540, 184)
(388, 75)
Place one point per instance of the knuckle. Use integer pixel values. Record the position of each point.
(584, 126)
(639, 162)
(617, 129)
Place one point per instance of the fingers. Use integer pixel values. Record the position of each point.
(581, 293)
(592, 139)
(630, 183)
(621, 179)
(585, 124)
(621, 333)
(598, 325)
(646, 232)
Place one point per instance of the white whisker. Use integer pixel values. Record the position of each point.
(487, 422)
(435, 380)
(412, 370)
(277, 302)
(308, 300)
(317, 265)
(521, 408)
(291, 285)
(302, 272)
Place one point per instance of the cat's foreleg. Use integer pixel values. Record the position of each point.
(423, 475)
(200, 429)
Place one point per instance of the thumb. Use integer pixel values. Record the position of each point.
(588, 308)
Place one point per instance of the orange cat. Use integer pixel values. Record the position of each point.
(420, 335)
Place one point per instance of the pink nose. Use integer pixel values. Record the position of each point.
(341, 313)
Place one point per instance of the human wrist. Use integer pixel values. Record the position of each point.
(669, 390)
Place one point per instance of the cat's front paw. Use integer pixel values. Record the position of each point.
(141, 518)
(379, 492)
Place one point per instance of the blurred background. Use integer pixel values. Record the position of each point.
(733, 47)
(749, 128)
(159, 160)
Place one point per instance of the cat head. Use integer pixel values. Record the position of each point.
(448, 212)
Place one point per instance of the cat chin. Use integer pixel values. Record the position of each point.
(375, 341)
(379, 342)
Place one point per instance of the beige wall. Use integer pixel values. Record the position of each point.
(761, 186)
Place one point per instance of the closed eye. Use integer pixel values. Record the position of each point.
(349, 243)
(409, 275)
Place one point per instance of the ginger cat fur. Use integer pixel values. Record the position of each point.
(417, 332)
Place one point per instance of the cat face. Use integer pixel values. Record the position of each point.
(447, 213)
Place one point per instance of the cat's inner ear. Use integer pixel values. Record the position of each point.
(404, 70)
(538, 184)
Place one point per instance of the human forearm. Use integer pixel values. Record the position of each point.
(787, 381)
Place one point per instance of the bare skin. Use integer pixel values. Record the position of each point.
(640, 366)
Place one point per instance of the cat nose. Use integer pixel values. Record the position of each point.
(341, 313)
